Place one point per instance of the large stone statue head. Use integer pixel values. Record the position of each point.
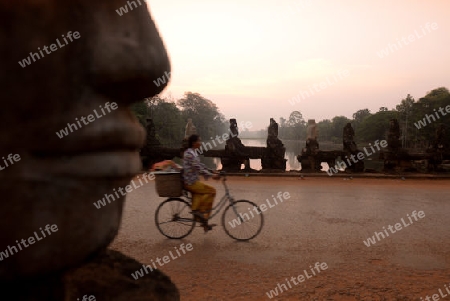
(69, 71)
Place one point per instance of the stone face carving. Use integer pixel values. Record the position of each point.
(114, 61)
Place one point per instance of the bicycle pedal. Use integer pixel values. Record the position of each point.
(208, 227)
(198, 216)
(198, 219)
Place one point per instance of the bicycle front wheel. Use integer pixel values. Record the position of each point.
(242, 220)
(173, 218)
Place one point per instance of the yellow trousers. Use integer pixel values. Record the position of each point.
(202, 196)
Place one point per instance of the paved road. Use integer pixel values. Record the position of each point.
(325, 220)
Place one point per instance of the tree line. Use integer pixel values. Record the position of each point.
(170, 118)
(370, 126)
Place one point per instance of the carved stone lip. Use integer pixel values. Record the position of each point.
(107, 149)
(120, 131)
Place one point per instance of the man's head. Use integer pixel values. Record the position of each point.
(74, 149)
(194, 141)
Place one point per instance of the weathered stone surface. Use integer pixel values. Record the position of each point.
(108, 278)
(114, 61)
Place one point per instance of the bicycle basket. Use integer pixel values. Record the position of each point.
(168, 184)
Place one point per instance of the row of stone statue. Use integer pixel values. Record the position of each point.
(393, 137)
(272, 156)
(236, 153)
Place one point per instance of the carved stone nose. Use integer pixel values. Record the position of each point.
(129, 60)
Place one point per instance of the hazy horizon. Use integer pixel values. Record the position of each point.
(251, 58)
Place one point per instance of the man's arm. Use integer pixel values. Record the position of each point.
(197, 165)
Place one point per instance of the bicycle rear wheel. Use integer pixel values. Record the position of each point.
(242, 220)
(173, 218)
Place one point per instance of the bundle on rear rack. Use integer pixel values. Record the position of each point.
(169, 183)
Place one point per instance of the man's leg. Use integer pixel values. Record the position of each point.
(207, 201)
(196, 200)
(206, 196)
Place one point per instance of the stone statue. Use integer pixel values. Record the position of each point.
(233, 143)
(393, 137)
(440, 142)
(153, 151)
(69, 126)
(151, 133)
(349, 146)
(190, 129)
(234, 128)
(236, 148)
(309, 153)
(311, 130)
(273, 128)
(312, 145)
(274, 158)
(348, 135)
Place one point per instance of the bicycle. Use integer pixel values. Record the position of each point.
(175, 219)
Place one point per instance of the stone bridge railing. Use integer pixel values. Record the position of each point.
(271, 160)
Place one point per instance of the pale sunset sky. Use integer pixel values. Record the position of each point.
(250, 57)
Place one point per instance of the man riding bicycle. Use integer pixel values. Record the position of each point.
(202, 194)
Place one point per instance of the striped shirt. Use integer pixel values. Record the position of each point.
(193, 167)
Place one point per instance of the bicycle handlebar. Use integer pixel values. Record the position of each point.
(222, 174)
